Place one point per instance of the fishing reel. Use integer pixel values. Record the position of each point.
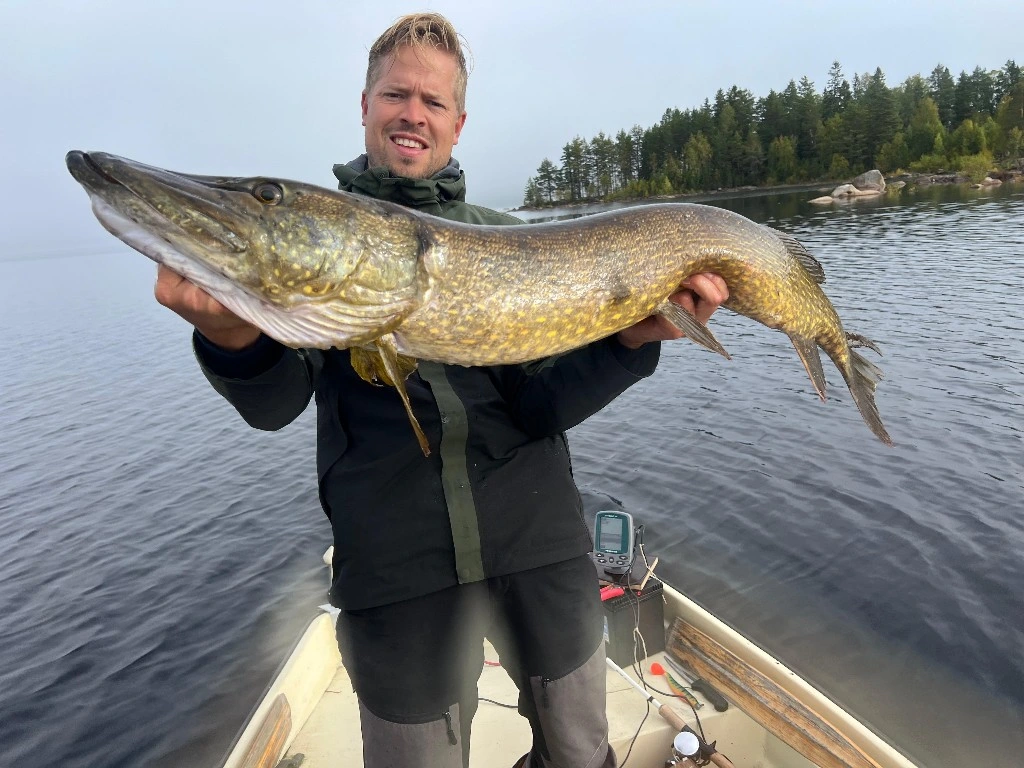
(689, 750)
(685, 746)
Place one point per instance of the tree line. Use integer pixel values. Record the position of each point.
(925, 124)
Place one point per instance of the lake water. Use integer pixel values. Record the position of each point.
(159, 557)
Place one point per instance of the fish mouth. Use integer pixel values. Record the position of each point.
(202, 216)
(194, 225)
(86, 171)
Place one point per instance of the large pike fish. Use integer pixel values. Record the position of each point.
(313, 267)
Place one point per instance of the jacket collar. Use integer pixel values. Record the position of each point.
(445, 186)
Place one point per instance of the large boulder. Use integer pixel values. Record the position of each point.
(870, 181)
(845, 190)
(869, 184)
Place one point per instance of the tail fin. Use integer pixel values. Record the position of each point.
(861, 380)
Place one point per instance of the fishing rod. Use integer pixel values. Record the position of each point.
(673, 718)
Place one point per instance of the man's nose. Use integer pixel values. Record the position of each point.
(415, 112)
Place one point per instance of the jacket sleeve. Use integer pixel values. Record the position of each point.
(268, 383)
(553, 395)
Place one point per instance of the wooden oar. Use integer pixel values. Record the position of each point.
(269, 741)
(765, 701)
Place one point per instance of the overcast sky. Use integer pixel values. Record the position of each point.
(272, 87)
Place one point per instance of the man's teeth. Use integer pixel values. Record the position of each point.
(408, 143)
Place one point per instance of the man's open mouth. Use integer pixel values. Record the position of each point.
(404, 141)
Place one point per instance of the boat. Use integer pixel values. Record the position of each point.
(770, 717)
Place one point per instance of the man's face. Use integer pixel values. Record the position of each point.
(411, 116)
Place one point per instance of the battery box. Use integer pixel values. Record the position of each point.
(621, 616)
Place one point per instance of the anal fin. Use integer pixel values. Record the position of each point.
(811, 358)
(691, 327)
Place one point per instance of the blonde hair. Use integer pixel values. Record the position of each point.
(421, 30)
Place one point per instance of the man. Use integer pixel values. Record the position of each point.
(486, 536)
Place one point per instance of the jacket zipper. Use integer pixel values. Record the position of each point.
(451, 731)
(544, 691)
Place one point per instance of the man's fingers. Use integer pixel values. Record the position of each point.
(211, 318)
(710, 287)
(179, 294)
(686, 299)
(703, 293)
(168, 285)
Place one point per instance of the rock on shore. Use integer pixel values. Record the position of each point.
(868, 184)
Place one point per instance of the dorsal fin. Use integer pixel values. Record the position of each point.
(798, 252)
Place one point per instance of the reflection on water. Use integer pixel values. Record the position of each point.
(159, 556)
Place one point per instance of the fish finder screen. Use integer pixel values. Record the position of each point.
(612, 534)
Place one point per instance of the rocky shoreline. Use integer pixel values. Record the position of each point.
(873, 184)
(894, 183)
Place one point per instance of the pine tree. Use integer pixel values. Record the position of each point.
(751, 164)
(943, 91)
(547, 180)
(624, 158)
(909, 95)
(882, 120)
(697, 161)
(808, 125)
(836, 95)
(637, 135)
(575, 169)
(531, 196)
(1005, 79)
(601, 151)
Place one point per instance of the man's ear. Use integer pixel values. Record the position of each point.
(458, 127)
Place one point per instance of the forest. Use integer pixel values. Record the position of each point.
(969, 125)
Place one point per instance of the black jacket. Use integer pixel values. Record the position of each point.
(496, 495)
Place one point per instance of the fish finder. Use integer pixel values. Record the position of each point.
(614, 541)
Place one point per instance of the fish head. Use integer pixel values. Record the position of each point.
(300, 262)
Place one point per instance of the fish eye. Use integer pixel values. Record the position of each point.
(268, 193)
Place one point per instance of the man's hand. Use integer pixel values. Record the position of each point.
(211, 318)
(700, 295)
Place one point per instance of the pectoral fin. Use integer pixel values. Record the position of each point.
(395, 370)
(369, 364)
(691, 326)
